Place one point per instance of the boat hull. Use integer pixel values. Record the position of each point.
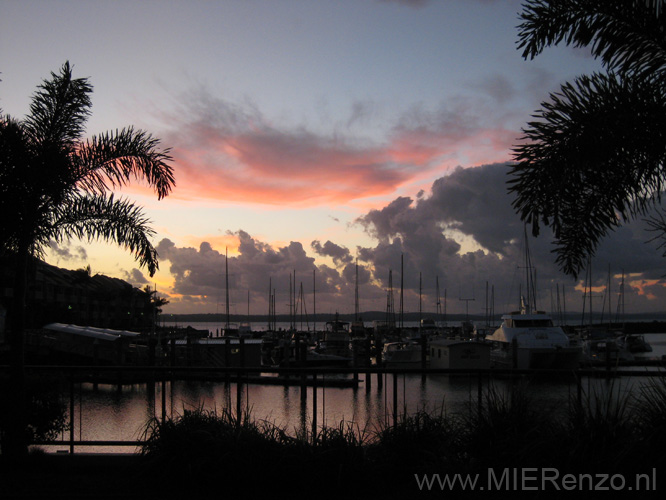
(403, 355)
(535, 358)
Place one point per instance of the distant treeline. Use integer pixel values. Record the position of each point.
(285, 318)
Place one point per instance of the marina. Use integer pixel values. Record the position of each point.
(110, 412)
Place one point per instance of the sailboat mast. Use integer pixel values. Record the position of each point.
(590, 273)
(438, 305)
(270, 303)
(610, 316)
(356, 311)
(420, 308)
(390, 313)
(529, 281)
(445, 318)
(402, 279)
(314, 300)
(487, 309)
(291, 308)
(226, 275)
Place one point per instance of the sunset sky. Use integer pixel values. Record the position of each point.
(307, 134)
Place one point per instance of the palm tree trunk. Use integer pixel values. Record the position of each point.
(15, 444)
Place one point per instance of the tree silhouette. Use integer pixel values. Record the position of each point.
(54, 185)
(595, 155)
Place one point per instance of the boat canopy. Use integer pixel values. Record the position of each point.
(91, 331)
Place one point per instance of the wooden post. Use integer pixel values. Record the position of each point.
(314, 407)
(395, 399)
(152, 345)
(424, 355)
(239, 397)
(368, 376)
(227, 354)
(304, 388)
(480, 394)
(239, 384)
(379, 346)
(71, 414)
(579, 389)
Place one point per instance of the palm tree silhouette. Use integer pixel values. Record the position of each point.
(55, 185)
(595, 155)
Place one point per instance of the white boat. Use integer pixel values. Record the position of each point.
(634, 343)
(527, 341)
(402, 355)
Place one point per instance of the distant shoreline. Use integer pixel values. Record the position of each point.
(572, 319)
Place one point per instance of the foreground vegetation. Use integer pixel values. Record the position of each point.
(609, 433)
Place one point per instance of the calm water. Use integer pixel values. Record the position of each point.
(108, 413)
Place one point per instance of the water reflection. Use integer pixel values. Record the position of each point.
(103, 412)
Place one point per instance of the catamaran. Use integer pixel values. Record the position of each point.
(529, 340)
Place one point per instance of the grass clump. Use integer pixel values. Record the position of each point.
(603, 432)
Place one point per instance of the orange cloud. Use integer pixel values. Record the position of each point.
(645, 287)
(248, 169)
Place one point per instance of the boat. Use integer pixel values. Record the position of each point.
(460, 354)
(405, 354)
(335, 340)
(230, 330)
(600, 346)
(529, 340)
(429, 327)
(279, 349)
(634, 343)
(245, 330)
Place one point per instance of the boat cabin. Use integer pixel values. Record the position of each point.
(459, 354)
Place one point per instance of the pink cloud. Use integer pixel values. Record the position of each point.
(226, 153)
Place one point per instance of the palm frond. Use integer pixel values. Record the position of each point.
(113, 159)
(96, 217)
(595, 156)
(23, 188)
(628, 36)
(59, 110)
(657, 224)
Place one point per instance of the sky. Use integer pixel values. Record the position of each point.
(312, 136)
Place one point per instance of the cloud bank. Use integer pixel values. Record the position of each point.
(462, 234)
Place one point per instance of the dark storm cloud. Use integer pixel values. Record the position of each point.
(475, 202)
(340, 255)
